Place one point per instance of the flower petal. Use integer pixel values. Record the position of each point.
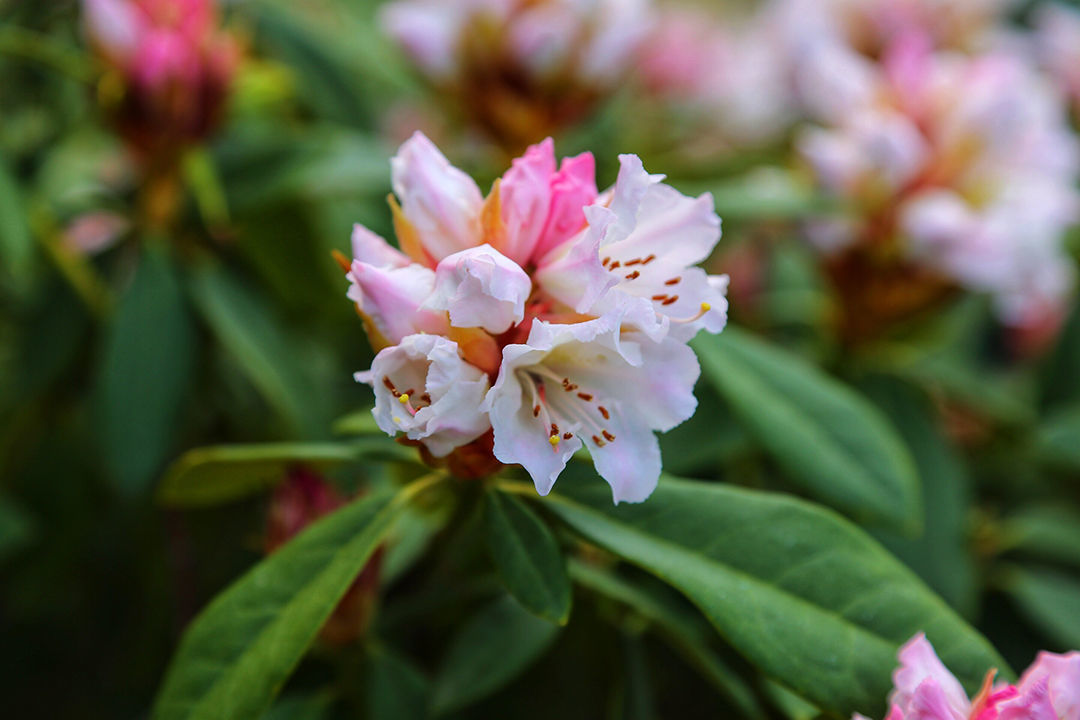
(369, 248)
(391, 298)
(441, 203)
(919, 671)
(481, 287)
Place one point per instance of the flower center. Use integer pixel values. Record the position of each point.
(565, 409)
(407, 397)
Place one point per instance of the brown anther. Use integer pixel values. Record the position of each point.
(554, 429)
(426, 398)
(604, 411)
(615, 265)
(635, 261)
(673, 281)
(567, 436)
(633, 276)
(648, 260)
(671, 300)
(585, 396)
(605, 261)
(599, 443)
(608, 436)
(536, 411)
(389, 385)
(658, 298)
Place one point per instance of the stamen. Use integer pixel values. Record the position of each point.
(567, 435)
(671, 300)
(649, 259)
(635, 261)
(585, 396)
(658, 298)
(598, 441)
(673, 281)
(634, 275)
(536, 411)
(554, 429)
(608, 436)
(604, 411)
(605, 261)
(426, 398)
(554, 440)
(403, 398)
(705, 307)
(615, 266)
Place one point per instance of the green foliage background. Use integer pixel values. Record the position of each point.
(151, 395)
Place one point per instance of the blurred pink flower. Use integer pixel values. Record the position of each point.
(541, 319)
(1057, 41)
(175, 63)
(966, 163)
(1049, 690)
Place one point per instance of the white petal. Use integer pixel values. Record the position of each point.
(392, 299)
(481, 287)
(442, 203)
(443, 410)
(369, 248)
(571, 273)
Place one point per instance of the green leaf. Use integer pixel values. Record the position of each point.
(804, 595)
(16, 242)
(361, 422)
(825, 436)
(1058, 439)
(147, 367)
(684, 633)
(301, 707)
(493, 648)
(527, 557)
(1050, 600)
(237, 654)
(247, 328)
(1051, 532)
(17, 529)
(940, 555)
(395, 687)
(224, 473)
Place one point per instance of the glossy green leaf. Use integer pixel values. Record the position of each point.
(395, 688)
(224, 473)
(16, 242)
(1051, 600)
(686, 634)
(147, 366)
(1058, 439)
(824, 435)
(527, 556)
(803, 594)
(1050, 532)
(238, 652)
(495, 646)
(301, 707)
(940, 555)
(247, 328)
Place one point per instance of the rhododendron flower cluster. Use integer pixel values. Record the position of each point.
(1057, 42)
(174, 63)
(925, 690)
(521, 68)
(548, 314)
(962, 165)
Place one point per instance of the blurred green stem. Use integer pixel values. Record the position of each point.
(27, 44)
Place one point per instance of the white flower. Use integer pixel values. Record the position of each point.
(391, 298)
(481, 287)
(424, 389)
(603, 384)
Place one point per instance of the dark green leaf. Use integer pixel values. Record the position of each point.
(824, 435)
(1051, 532)
(638, 699)
(940, 555)
(1051, 600)
(238, 652)
(685, 633)
(148, 362)
(250, 332)
(16, 243)
(221, 474)
(395, 687)
(527, 557)
(1059, 439)
(301, 707)
(801, 593)
(16, 529)
(493, 648)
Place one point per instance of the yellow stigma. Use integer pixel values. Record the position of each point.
(403, 399)
(706, 307)
(554, 440)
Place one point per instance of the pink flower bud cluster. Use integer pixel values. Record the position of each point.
(964, 165)
(549, 314)
(175, 63)
(925, 690)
